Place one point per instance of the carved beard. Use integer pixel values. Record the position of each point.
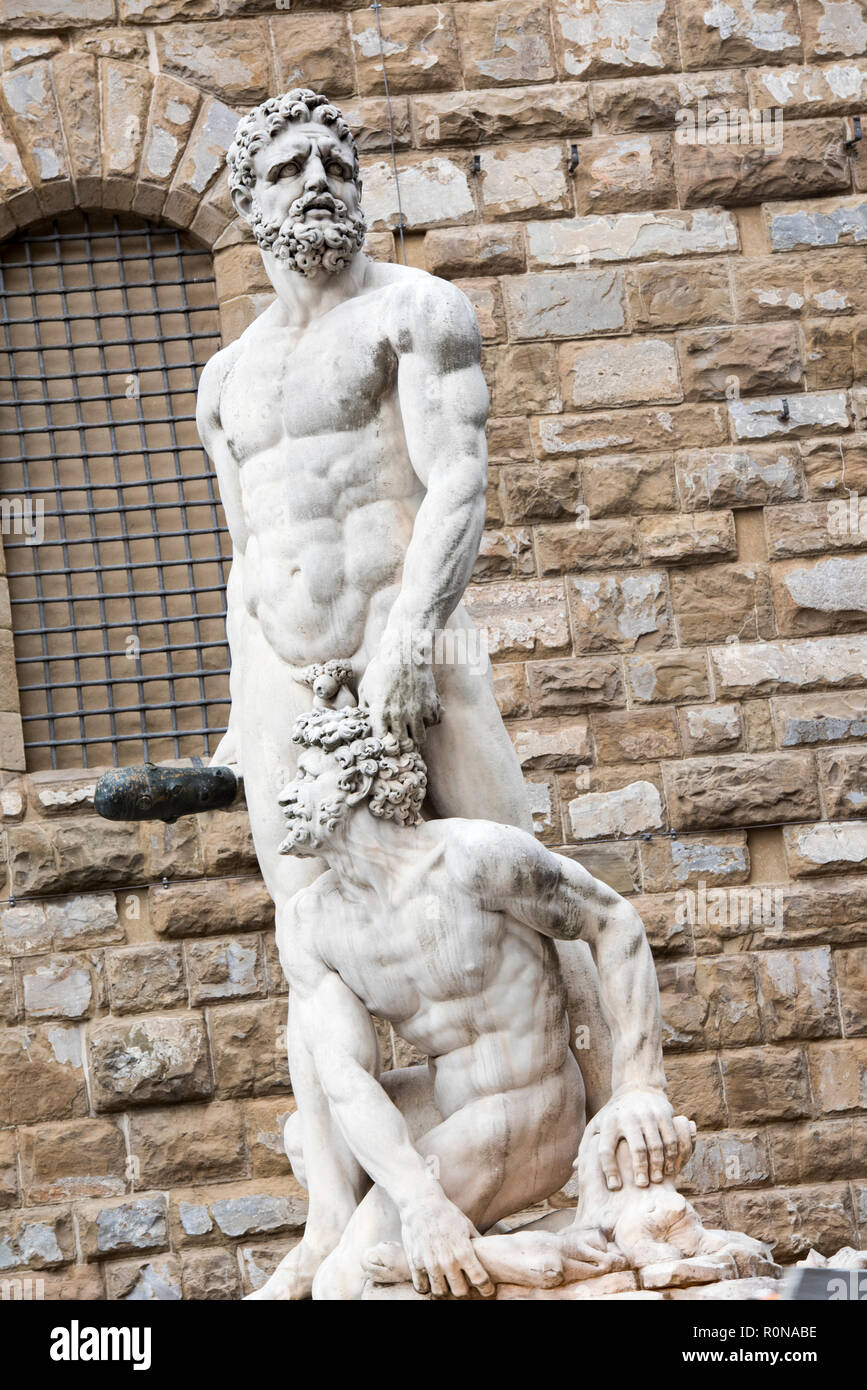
(305, 835)
(310, 246)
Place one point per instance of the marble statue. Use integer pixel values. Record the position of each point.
(388, 810)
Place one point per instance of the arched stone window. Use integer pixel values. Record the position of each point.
(115, 542)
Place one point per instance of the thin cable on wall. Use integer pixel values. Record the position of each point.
(376, 7)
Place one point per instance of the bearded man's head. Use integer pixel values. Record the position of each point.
(294, 177)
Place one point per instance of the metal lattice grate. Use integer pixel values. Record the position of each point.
(114, 537)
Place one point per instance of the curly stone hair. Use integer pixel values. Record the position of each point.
(262, 123)
(397, 767)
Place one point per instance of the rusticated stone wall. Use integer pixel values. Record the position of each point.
(672, 579)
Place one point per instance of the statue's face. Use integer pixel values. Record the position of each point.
(305, 206)
(314, 803)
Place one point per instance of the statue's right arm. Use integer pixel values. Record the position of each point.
(213, 437)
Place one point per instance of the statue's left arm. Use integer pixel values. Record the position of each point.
(557, 897)
(443, 403)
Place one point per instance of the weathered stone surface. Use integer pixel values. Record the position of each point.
(679, 295)
(630, 236)
(57, 987)
(125, 100)
(811, 161)
(225, 968)
(851, 968)
(817, 1151)
(552, 744)
(41, 1074)
(825, 848)
(526, 618)
(143, 978)
(842, 774)
(76, 84)
(625, 483)
(765, 1083)
(191, 1143)
(740, 477)
(27, 48)
(833, 30)
(628, 811)
(839, 1074)
(695, 1088)
(313, 51)
(792, 1220)
(596, 545)
(30, 106)
(36, 1239)
(420, 46)
(486, 298)
(821, 595)
(824, 222)
(644, 428)
(625, 173)
(88, 920)
(711, 728)
(56, 14)
(249, 1047)
(524, 181)
(368, 119)
(741, 789)
(202, 160)
(565, 305)
(665, 922)
(71, 1159)
(194, 909)
(24, 929)
(718, 603)
(825, 913)
(161, 11)
(635, 735)
(73, 855)
(709, 1003)
(615, 864)
(664, 676)
(809, 91)
(10, 1195)
(456, 251)
(619, 373)
(506, 42)
(231, 59)
(808, 719)
(653, 102)
(735, 1158)
(611, 612)
(548, 491)
(695, 536)
(797, 997)
(210, 1274)
(715, 362)
(434, 192)
(170, 120)
(148, 1061)
(523, 378)
(133, 1281)
(564, 687)
(756, 667)
(712, 860)
(740, 32)
(123, 1225)
(265, 1207)
(114, 43)
(511, 114)
(227, 843)
(598, 41)
(264, 1121)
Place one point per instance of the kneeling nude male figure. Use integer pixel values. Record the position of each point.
(446, 929)
(347, 428)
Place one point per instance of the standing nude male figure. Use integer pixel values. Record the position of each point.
(347, 429)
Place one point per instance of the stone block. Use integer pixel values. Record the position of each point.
(149, 1061)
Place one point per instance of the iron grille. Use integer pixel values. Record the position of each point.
(115, 542)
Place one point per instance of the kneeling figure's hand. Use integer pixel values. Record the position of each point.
(659, 1142)
(437, 1239)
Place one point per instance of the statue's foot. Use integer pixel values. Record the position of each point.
(291, 1281)
(752, 1258)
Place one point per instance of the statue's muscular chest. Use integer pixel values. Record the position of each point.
(292, 385)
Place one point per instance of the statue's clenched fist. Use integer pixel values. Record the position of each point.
(659, 1141)
(401, 696)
